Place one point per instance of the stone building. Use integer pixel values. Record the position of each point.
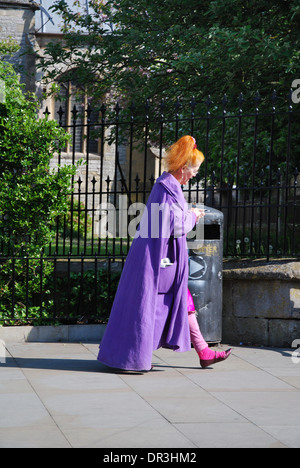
(17, 21)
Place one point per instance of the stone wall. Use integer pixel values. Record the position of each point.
(261, 303)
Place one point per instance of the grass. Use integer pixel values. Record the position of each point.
(91, 247)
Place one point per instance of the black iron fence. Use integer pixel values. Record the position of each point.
(250, 174)
(51, 290)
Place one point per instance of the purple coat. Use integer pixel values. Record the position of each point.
(150, 306)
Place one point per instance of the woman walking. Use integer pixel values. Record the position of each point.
(150, 309)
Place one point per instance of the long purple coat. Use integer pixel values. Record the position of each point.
(150, 306)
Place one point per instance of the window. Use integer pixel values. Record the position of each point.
(70, 109)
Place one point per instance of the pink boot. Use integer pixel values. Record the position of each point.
(208, 356)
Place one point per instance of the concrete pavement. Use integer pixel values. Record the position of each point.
(58, 395)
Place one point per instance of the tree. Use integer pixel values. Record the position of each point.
(176, 52)
(179, 48)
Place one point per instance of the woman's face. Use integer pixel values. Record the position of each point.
(189, 172)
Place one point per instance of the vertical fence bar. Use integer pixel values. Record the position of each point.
(79, 182)
(107, 201)
(80, 299)
(41, 285)
(88, 125)
(95, 285)
(208, 103)
(237, 176)
(274, 97)
(109, 282)
(177, 107)
(287, 171)
(162, 117)
(296, 175)
(131, 132)
(253, 180)
(27, 287)
(147, 109)
(74, 127)
(55, 312)
(262, 175)
(278, 209)
(244, 209)
(103, 123)
(68, 284)
(58, 219)
(94, 181)
(13, 287)
(224, 103)
(192, 117)
(117, 111)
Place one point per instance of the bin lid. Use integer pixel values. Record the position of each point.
(212, 216)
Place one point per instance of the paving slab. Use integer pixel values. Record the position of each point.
(58, 395)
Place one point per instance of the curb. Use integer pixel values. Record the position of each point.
(49, 333)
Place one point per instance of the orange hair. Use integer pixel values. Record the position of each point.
(183, 153)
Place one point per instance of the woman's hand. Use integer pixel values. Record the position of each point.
(199, 213)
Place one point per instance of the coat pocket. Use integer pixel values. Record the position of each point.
(166, 278)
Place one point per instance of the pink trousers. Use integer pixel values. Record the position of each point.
(196, 337)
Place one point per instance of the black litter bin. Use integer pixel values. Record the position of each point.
(205, 274)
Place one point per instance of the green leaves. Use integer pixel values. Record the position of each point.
(132, 51)
(129, 37)
(31, 194)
